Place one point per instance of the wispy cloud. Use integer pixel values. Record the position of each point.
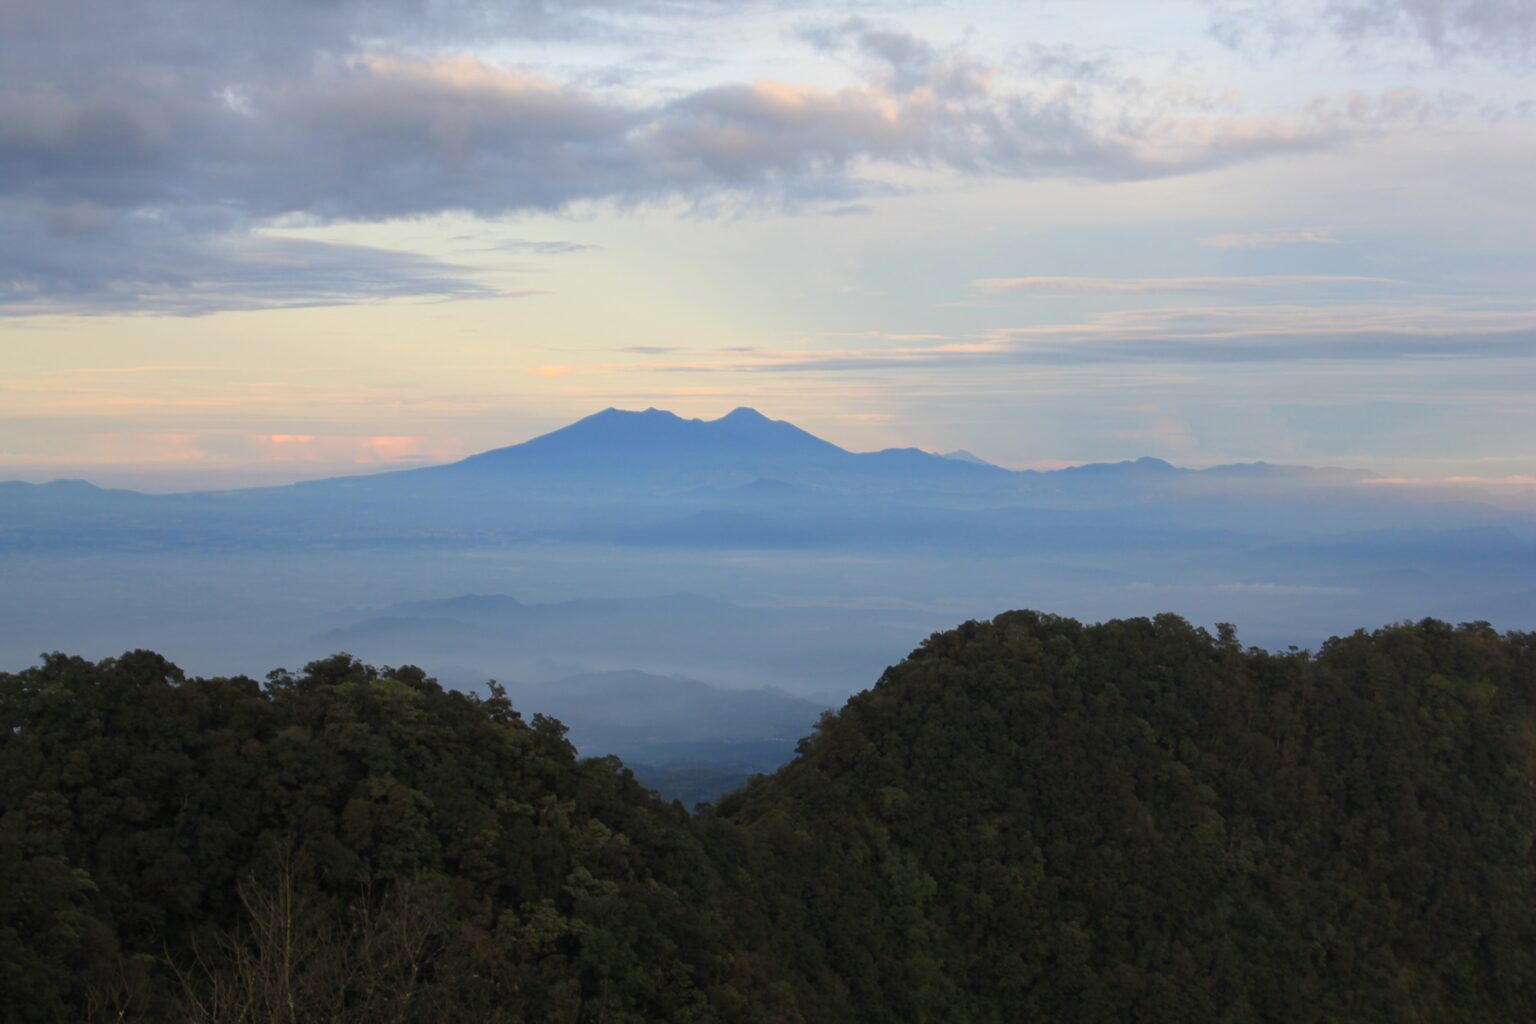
(540, 248)
(1052, 285)
(1284, 589)
(1268, 239)
(1183, 336)
(160, 268)
(1512, 481)
(1499, 30)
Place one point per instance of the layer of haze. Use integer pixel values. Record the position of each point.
(692, 593)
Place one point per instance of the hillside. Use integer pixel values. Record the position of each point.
(1031, 819)
(1027, 819)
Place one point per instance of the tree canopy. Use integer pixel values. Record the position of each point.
(1028, 818)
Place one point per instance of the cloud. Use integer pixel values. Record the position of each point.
(1284, 589)
(126, 129)
(550, 372)
(1046, 285)
(136, 262)
(1188, 336)
(1512, 480)
(1266, 334)
(357, 450)
(536, 248)
(1268, 239)
(905, 62)
(1502, 31)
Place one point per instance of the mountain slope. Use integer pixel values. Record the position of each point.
(1028, 819)
(615, 437)
(1034, 820)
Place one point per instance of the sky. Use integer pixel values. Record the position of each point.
(252, 243)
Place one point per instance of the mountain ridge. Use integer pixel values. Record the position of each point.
(743, 446)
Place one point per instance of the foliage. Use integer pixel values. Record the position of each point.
(1026, 819)
(1030, 819)
(171, 841)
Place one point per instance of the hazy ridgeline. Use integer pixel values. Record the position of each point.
(742, 553)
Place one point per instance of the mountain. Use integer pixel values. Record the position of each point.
(750, 511)
(1028, 818)
(1033, 819)
(651, 468)
(656, 452)
(961, 455)
(615, 438)
(654, 478)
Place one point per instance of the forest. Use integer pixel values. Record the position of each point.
(1027, 819)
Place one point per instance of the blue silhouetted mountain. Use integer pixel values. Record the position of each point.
(659, 451)
(961, 455)
(653, 479)
(615, 438)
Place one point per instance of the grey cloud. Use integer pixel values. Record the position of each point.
(376, 137)
(544, 248)
(1343, 347)
(1368, 346)
(909, 59)
(1064, 62)
(1263, 26)
(1196, 336)
(207, 119)
(133, 263)
(1504, 29)
(1498, 30)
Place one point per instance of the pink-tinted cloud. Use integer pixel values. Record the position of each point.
(1270, 239)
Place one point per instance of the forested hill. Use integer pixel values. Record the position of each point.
(1028, 819)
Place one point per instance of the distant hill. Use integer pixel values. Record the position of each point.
(592, 642)
(630, 713)
(961, 455)
(684, 738)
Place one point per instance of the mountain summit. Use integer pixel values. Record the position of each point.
(620, 439)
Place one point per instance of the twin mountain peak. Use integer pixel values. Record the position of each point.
(743, 446)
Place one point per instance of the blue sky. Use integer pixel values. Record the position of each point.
(250, 243)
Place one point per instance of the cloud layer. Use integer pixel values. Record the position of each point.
(1185, 336)
(183, 128)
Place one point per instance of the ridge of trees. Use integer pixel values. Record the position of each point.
(1028, 818)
